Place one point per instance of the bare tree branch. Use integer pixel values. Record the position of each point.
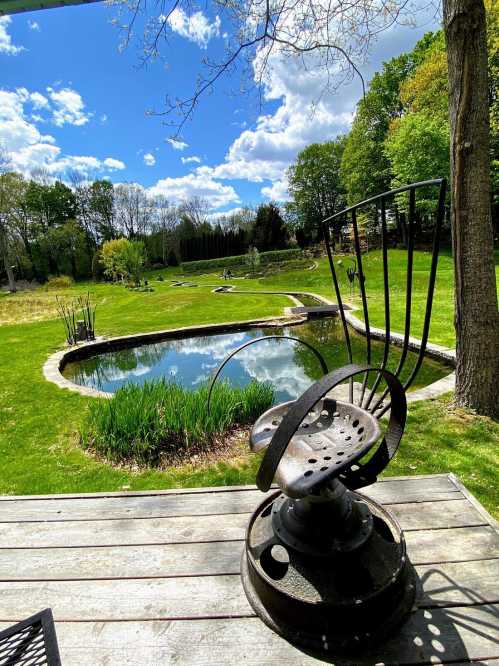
(334, 37)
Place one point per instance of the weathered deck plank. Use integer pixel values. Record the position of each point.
(212, 558)
(185, 529)
(211, 596)
(152, 578)
(197, 504)
(450, 635)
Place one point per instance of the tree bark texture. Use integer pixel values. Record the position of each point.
(10, 273)
(476, 314)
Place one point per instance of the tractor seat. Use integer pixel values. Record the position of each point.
(330, 439)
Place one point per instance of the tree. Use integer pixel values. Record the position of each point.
(253, 258)
(101, 208)
(164, 221)
(66, 245)
(269, 229)
(6, 231)
(133, 259)
(132, 209)
(475, 295)
(112, 258)
(123, 258)
(418, 148)
(196, 210)
(51, 204)
(315, 183)
(366, 169)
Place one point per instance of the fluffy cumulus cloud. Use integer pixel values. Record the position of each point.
(195, 185)
(68, 107)
(6, 45)
(38, 100)
(29, 149)
(176, 144)
(33, 25)
(195, 27)
(113, 165)
(194, 159)
(149, 159)
(265, 152)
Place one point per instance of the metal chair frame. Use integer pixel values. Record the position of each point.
(377, 404)
(28, 648)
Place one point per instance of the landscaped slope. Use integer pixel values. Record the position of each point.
(39, 422)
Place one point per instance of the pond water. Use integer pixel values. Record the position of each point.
(290, 367)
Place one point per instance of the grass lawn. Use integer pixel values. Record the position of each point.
(39, 422)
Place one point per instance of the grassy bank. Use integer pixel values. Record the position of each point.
(39, 423)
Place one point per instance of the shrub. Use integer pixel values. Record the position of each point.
(253, 259)
(98, 267)
(147, 423)
(240, 260)
(280, 255)
(124, 259)
(59, 282)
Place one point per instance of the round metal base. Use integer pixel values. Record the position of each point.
(330, 605)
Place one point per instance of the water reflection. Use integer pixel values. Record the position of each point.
(290, 367)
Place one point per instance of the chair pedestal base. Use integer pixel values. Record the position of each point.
(338, 602)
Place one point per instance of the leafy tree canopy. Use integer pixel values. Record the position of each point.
(315, 183)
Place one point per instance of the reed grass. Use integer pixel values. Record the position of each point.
(151, 423)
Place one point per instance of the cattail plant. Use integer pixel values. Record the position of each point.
(87, 312)
(79, 309)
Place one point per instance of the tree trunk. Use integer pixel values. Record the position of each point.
(476, 314)
(10, 273)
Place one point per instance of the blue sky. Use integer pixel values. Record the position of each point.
(69, 99)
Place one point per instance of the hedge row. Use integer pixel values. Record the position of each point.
(239, 260)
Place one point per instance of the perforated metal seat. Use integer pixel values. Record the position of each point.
(331, 438)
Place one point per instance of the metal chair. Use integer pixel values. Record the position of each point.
(324, 565)
(31, 642)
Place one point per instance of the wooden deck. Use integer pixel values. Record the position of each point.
(153, 578)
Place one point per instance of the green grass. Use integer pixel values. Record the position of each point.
(158, 421)
(39, 423)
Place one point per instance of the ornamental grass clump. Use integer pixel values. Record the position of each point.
(159, 420)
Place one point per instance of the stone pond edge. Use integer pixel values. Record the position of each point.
(56, 362)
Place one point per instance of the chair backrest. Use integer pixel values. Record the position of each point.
(400, 204)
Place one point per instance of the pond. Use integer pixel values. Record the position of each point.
(290, 367)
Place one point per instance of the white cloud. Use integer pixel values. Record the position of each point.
(113, 165)
(29, 149)
(6, 45)
(177, 144)
(278, 191)
(38, 100)
(196, 27)
(69, 107)
(103, 119)
(149, 159)
(33, 25)
(190, 160)
(179, 189)
(265, 152)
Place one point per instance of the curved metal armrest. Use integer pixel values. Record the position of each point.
(301, 407)
(234, 352)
